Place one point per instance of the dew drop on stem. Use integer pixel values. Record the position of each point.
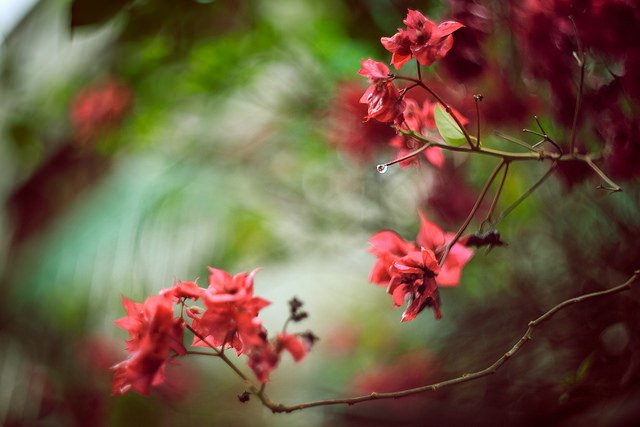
(382, 168)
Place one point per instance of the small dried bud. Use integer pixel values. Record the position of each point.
(310, 337)
(490, 238)
(296, 317)
(244, 397)
(295, 304)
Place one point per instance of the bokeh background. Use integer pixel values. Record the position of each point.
(141, 141)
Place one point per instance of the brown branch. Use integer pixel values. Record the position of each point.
(491, 369)
(473, 212)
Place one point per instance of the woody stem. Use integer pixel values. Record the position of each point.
(464, 226)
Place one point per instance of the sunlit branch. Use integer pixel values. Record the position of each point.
(491, 369)
(613, 187)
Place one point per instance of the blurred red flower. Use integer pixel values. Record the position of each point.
(154, 333)
(100, 107)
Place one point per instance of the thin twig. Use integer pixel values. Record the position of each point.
(464, 226)
(515, 141)
(477, 99)
(497, 195)
(613, 187)
(527, 193)
(576, 111)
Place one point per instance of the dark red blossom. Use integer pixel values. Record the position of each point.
(422, 39)
(154, 333)
(182, 289)
(263, 358)
(382, 97)
(411, 271)
(230, 318)
(347, 131)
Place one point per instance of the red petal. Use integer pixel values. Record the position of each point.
(373, 70)
(430, 235)
(446, 28)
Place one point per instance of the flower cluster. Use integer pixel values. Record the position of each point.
(410, 270)
(421, 39)
(426, 42)
(229, 319)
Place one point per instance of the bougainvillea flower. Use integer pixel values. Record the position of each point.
(263, 358)
(387, 246)
(383, 99)
(296, 345)
(189, 290)
(154, 333)
(374, 71)
(384, 102)
(422, 39)
(432, 237)
(346, 129)
(410, 270)
(100, 107)
(407, 270)
(230, 318)
(413, 278)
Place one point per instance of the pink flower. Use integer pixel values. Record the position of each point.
(230, 317)
(382, 97)
(431, 236)
(422, 39)
(408, 272)
(411, 271)
(346, 130)
(264, 358)
(154, 333)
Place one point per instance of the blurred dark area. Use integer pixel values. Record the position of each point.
(142, 140)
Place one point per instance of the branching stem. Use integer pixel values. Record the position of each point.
(491, 369)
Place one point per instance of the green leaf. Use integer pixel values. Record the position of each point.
(448, 128)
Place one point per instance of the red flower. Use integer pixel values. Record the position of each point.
(411, 271)
(189, 290)
(413, 276)
(374, 71)
(154, 332)
(230, 317)
(382, 97)
(347, 131)
(432, 237)
(263, 358)
(100, 107)
(422, 39)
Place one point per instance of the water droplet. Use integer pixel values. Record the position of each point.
(382, 168)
